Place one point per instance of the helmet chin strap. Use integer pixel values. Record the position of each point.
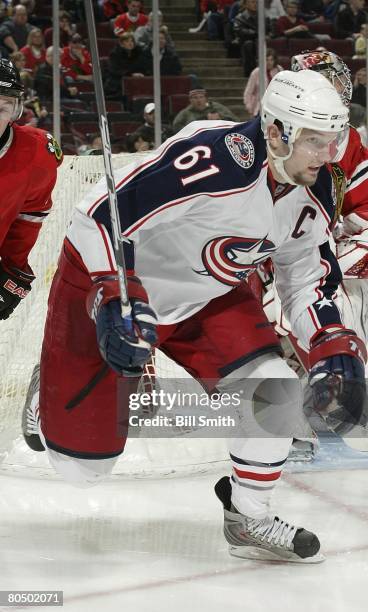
(279, 163)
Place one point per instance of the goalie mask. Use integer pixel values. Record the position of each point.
(11, 86)
(302, 100)
(331, 66)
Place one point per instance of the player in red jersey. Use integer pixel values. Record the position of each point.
(29, 158)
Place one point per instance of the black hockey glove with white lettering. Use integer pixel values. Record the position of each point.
(125, 350)
(14, 286)
(337, 378)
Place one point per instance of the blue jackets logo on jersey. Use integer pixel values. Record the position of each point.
(241, 149)
(229, 259)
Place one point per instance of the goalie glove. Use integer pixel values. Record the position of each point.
(123, 351)
(14, 286)
(337, 378)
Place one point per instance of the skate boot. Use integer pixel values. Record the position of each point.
(269, 539)
(304, 449)
(30, 416)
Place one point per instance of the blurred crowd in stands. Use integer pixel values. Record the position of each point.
(125, 40)
(291, 27)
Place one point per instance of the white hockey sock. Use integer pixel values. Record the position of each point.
(268, 414)
(257, 467)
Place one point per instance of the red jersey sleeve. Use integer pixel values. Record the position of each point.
(123, 24)
(42, 173)
(355, 166)
(120, 24)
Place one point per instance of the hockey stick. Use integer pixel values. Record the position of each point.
(118, 239)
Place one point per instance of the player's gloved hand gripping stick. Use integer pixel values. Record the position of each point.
(124, 350)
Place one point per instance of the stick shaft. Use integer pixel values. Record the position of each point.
(118, 240)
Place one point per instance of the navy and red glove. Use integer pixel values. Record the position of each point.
(337, 377)
(124, 349)
(14, 286)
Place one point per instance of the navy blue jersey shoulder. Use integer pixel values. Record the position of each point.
(323, 189)
(212, 160)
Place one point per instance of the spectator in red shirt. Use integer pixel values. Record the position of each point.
(66, 30)
(34, 51)
(130, 21)
(291, 25)
(76, 60)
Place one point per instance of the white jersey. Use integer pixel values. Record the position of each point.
(201, 212)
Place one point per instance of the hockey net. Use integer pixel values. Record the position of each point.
(21, 338)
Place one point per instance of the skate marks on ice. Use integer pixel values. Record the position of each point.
(158, 544)
(150, 458)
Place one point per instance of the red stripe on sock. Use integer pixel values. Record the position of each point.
(255, 476)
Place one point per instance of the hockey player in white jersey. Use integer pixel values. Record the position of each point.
(259, 189)
(350, 167)
(351, 234)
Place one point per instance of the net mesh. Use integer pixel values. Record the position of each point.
(21, 338)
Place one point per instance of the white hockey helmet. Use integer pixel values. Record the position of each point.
(300, 100)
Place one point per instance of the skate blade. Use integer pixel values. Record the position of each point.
(301, 456)
(260, 554)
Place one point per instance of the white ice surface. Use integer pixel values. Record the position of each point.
(154, 545)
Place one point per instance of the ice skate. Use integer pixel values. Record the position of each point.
(304, 449)
(268, 539)
(30, 416)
